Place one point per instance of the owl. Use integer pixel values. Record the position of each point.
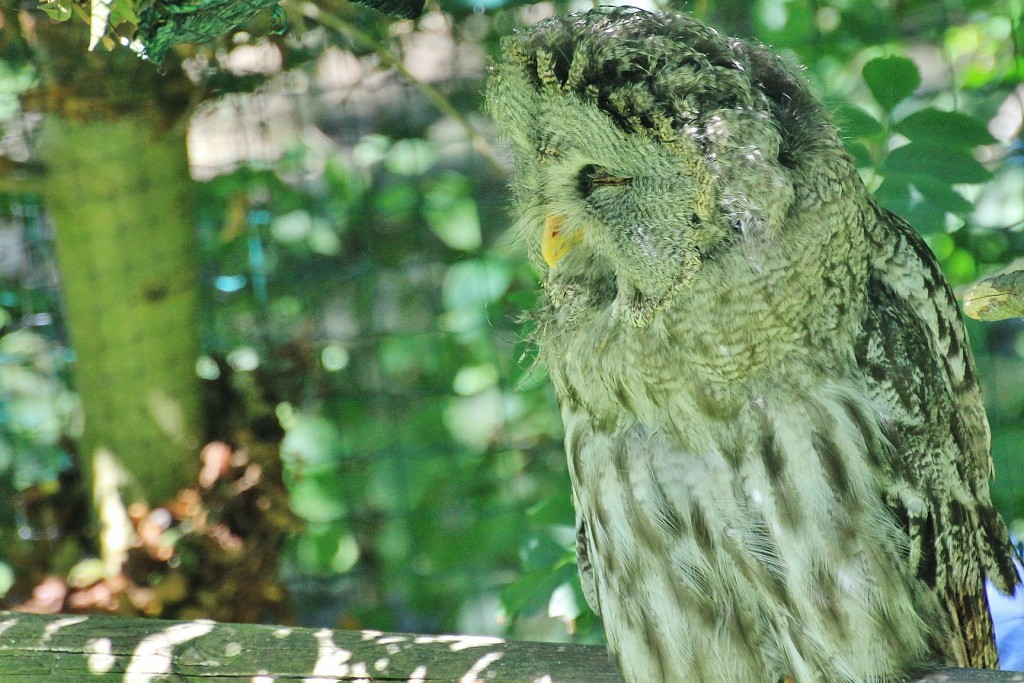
(776, 441)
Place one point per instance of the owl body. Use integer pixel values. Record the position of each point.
(776, 442)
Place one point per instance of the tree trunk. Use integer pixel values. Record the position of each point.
(118, 190)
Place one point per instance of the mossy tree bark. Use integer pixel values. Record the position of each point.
(118, 190)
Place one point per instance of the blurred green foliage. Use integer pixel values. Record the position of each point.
(38, 410)
(361, 296)
(374, 305)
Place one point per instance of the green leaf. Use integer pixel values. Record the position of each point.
(312, 444)
(6, 578)
(943, 162)
(325, 550)
(533, 590)
(960, 267)
(541, 550)
(475, 283)
(451, 211)
(1008, 453)
(991, 246)
(556, 509)
(895, 195)
(457, 223)
(921, 200)
(926, 218)
(861, 155)
(942, 195)
(58, 10)
(941, 244)
(784, 23)
(318, 498)
(854, 122)
(891, 79)
(945, 127)
(396, 201)
(123, 11)
(410, 157)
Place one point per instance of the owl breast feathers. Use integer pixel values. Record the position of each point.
(776, 441)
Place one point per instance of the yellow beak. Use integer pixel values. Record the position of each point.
(555, 244)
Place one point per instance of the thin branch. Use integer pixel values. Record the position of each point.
(388, 57)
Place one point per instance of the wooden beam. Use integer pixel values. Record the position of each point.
(78, 648)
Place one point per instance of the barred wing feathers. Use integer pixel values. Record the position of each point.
(913, 351)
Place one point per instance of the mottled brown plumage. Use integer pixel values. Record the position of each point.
(778, 450)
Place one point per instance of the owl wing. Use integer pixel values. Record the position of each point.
(913, 351)
(583, 550)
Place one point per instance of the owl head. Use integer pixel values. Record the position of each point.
(647, 145)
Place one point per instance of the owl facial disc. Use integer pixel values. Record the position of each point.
(556, 242)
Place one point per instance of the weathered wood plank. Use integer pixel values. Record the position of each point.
(62, 648)
(73, 649)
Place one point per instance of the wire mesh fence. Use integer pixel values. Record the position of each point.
(360, 305)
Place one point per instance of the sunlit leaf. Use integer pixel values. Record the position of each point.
(942, 244)
(472, 379)
(458, 224)
(324, 240)
(292, 227)
(564, 603)
(99, 20)
(474, 420)
(87, 572)
(452, 214)
(312, 442)
(785, 23)
(960, 267)
(123, 11)
(410, 157)
(58, 10)
(475, 282)
(6, 578)
(326, 549)
(891, 79)
(997, 296)
(318, 497)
